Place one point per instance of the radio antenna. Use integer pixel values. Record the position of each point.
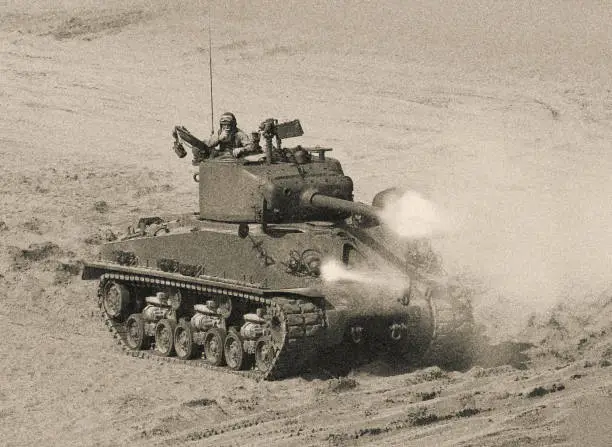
(210, 73)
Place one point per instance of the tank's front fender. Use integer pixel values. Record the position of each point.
(91, 272)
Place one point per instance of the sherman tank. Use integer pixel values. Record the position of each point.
(278, 268)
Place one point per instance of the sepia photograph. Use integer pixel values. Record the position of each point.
(306, 223)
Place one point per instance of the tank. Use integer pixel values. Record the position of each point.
(279, 268)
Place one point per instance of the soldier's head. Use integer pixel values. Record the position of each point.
(228, 122)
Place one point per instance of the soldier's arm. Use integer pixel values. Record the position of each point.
(246, 146)
(213, 141)
(243, 138)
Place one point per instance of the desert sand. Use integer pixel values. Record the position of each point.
(499, 112)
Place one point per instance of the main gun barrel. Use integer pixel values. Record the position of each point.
(316, 199)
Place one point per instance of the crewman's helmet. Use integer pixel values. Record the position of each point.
(228, 118)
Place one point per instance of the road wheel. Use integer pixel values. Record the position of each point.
(213, 346)
(135, 332)
(233, 349)
(183, 341)
(115, 300)
(164, 337)
(265, 353)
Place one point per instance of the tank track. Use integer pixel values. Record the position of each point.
(302, 322)
(452, 340)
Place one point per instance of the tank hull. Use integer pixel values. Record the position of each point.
(270, 271)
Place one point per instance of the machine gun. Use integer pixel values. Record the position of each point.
(199, 149)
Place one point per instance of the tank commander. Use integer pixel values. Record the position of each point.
(229, 139)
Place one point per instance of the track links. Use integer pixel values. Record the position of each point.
(453, 335)
(302, 320)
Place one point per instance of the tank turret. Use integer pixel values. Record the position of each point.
(278, 266)
(271, 187)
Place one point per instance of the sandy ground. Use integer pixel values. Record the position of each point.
(501, 114)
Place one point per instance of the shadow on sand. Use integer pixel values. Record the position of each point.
(374, 361)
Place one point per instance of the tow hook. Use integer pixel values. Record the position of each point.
(397, 330)
(357, 334)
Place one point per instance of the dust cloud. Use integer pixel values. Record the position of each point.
(522, 250)
(529, 250)
(411, 216)
(372, 292)
(395, 282)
